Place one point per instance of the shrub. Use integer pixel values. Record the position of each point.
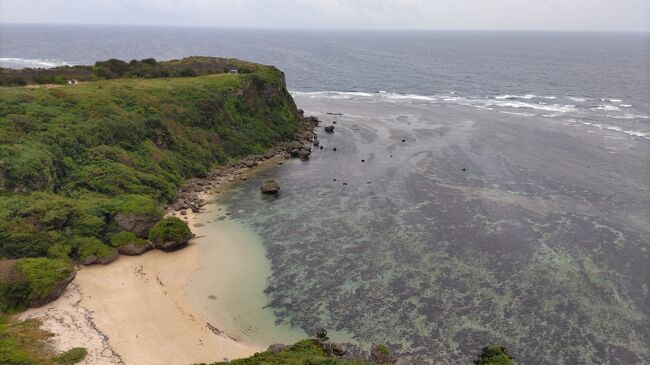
(32, 280)
(72, 356)
(170, 229)
(494, 355)
(383, 349)
(124, 238)
(89, 246)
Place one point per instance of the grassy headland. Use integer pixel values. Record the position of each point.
(82, 163)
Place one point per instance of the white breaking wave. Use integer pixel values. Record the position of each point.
(607, 107)
(512, 97)
(27, 62)
(629, 116)
(577, 99)
(520, 104)
(615, 128)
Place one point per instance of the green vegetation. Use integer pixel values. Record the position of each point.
(22, 343)
(31, 281)
(494, 355)
(73, 157)
(305, 352)
(113, 68)
(72, 356)
(383, 349)
(124, 238)
(170, 229)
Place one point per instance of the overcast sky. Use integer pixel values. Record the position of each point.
(616, 15)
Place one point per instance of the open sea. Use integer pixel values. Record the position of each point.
(480, 187)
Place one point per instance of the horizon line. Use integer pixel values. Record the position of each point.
(335, 29)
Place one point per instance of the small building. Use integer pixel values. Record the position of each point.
(233, 71)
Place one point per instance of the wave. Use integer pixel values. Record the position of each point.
(607, 107)
(512, 97)
(33, 62)
(615, 129)
(524, 105)
(537, 106)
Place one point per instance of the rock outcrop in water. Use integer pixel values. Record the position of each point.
(270, 187)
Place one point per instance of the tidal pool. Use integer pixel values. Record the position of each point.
(439, 229)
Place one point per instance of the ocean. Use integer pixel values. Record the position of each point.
(480, 187)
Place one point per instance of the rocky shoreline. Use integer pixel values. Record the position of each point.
(192, 196)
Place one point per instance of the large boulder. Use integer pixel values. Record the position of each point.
(138, 223)
(33, 282)
(329, 129)
(270, 187)
(170, 234)
(277, 347)
(128, 244)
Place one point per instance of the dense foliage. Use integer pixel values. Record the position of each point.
(494, 355)
(73, 157)
(23, 343)
(72, 356)
(113, 68)
(305, 352)
(31, 280)
(170, 229)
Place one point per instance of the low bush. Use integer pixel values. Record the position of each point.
(72, 356)
(170, 229)
(494, 355)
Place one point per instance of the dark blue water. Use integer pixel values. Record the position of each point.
(496, 184)
(595, 65)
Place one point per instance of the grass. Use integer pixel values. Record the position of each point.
(305, 352)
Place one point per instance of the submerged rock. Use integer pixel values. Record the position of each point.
(329, 129)
(270, 187)
(380, 354)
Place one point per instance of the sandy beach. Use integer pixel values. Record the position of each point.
(203, 303)
(136, 307)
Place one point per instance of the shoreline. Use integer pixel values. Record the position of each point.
(139, 309)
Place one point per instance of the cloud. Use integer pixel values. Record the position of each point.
(384, 14)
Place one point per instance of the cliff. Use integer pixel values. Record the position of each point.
(82, 163)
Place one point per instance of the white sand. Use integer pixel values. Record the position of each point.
(137, 310)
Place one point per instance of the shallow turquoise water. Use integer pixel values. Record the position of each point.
(460, 228)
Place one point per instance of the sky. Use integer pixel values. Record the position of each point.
(590, 15)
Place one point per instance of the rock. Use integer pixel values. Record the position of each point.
(277, 347)
(270, 187)
(171, 245)
(304, 154)
(295, 152)
(334, 149)
(316, 142)
(249, 163)
(329, 129)
(380, 354)
(108, 259)
(56, 292)
(183, 212)
(402, 361)
(338, 349)
(138, 223)
(134, 250)
(89, 260)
